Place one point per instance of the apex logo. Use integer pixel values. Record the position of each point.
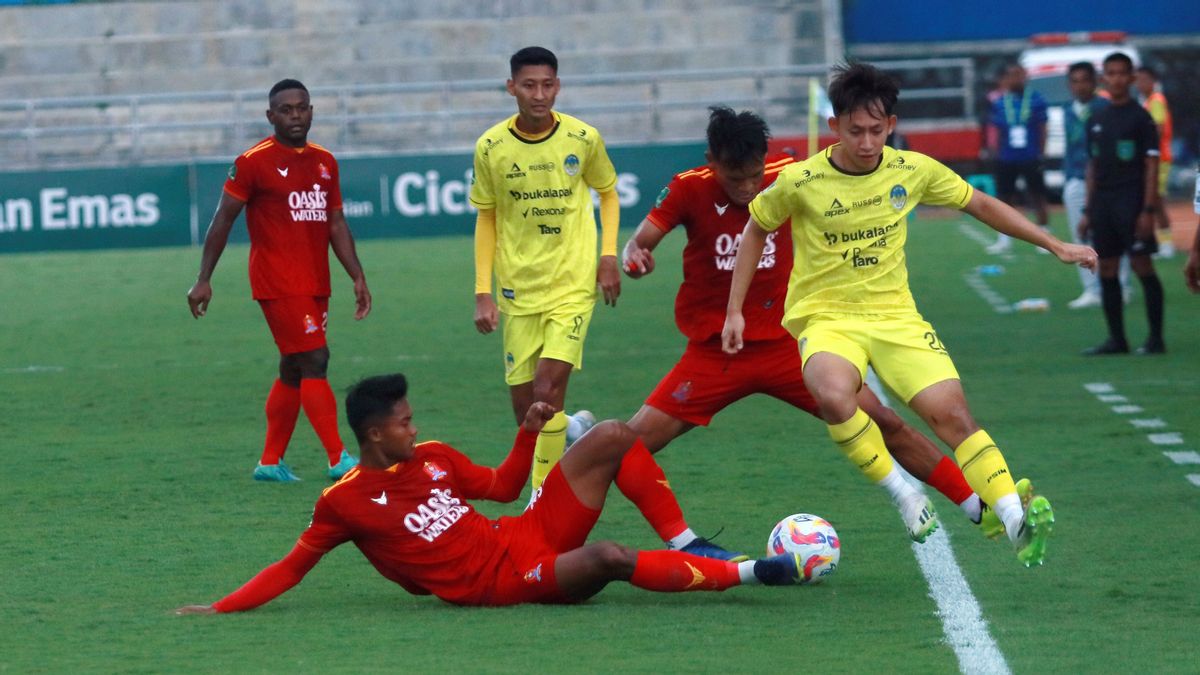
(515, 172)
(836, 209)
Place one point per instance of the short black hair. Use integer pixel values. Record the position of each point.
(371, 398)
(858, 85)
(532, 56)
(1149, 71)
(736, 138)
(284, 85)
(1085, 67)
(1119, 57)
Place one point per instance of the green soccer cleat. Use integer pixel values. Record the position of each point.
(275, 473)
(919, 517)
(343, 466)
(1039, 523)
(989, 522)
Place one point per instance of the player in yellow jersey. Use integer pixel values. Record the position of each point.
(848, 300)
(536, 232)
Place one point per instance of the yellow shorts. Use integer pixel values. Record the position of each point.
(556, 334)
(905, 351)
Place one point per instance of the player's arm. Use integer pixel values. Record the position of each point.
(638, 257)
(1145, 221)
(214, 245)
(1083, 228)
(342, 242)
(1007, 220)
(505, 482)
(267, 585)
(608, 274)
(754, 240)
(487, 316)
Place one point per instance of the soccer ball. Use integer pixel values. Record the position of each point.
(814, 539)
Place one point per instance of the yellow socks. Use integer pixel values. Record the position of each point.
(861, 441)
(987, 473)
(549, 447)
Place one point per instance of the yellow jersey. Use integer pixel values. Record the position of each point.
(849, 230)
(545, 221)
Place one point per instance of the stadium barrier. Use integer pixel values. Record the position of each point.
(383, 196)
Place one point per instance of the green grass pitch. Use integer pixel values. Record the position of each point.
(130, 431)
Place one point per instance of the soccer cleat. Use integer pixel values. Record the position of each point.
(1086, 300)
(989, 522)
(343, 466)
(579, 424)
(919, 517)
(1038, 524)
(275, 473)
(1000, 246)
(1151, 347)
(1108, 347)
(785, 569)
(705, 548)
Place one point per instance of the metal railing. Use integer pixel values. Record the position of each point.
(364, 119)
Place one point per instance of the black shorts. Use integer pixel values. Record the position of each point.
(1113, 216)
(1007, 173)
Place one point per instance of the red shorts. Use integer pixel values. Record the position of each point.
(297, 323)
(707, 380)
(556, 523)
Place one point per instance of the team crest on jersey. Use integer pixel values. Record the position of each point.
(324, 172)
(232, 173)
(310, 325)
(571, 165)
(534, 575)
(898, 196)
(683, 392)
(435, 472)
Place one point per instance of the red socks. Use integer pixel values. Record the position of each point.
(948, 479)
(320, 407)
(674, 571)
(643, 482)
(283, 406)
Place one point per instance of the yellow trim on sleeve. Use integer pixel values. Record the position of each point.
(610, 222)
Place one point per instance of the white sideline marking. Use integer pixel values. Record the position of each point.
(1099, 388)
(34, 369)
(1113, 398)
(1188, 457)
(962, 620)
(984, 238)
(1126, 409)
(1168, 438)
(1148, 424)
(1194, 479)
(991, 297)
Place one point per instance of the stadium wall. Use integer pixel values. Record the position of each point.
(390, 196)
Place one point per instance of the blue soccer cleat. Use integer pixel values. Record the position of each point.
(706, 549)
(780, 570)
(275, 473)
(343, 466)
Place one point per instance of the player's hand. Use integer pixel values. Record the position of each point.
(195, 609)
(362, 299)
(1145, 226)
(1191, 271)
(638, 262)
(536, 417)
(609, 278)
(198, 297)
(1077, 254)
(731, 334)
(487, 317)
(1083, 228)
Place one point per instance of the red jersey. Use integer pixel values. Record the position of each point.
(412, 520)
(289, 195)
(714, 226)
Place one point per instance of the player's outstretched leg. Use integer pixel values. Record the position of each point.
(585, 571)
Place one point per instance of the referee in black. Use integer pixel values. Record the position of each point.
(1122, 184)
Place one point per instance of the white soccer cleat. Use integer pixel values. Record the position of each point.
(1001, 245)
(1086, 300)
(578, 424)
(919, 517)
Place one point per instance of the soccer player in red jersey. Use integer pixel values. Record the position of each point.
(405, 507)
(293, 203)
(711, 203)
